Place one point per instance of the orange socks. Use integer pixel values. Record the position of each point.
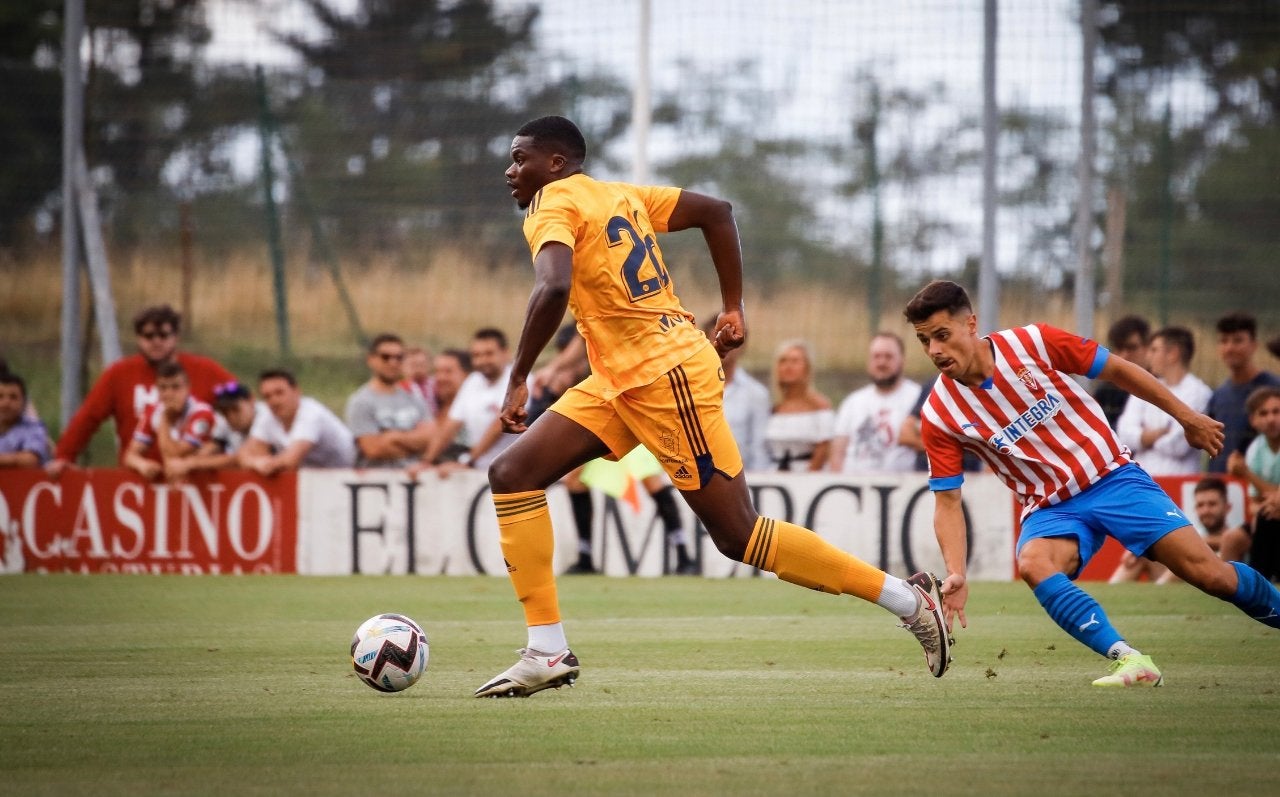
(527, 546)
(801, 557)
(794, 553)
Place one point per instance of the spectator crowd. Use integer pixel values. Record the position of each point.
(176, 413)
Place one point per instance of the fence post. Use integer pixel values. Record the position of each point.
(265, 131)
(988, 275)
(1085, 289)
(72, 133)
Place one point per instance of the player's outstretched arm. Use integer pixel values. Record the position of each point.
(1201, 431)
(553, 271)
(948, 526)
(715, 218)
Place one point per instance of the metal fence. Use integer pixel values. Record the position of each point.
(848, 133)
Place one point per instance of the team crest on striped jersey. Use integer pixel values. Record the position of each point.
(1027, 378)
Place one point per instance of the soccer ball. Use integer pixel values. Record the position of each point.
(389, 652)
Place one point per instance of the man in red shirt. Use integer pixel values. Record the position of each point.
(129, 384)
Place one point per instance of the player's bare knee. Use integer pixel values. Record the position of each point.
(1035, 569)
(504, 477)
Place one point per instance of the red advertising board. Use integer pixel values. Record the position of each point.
(113, 521)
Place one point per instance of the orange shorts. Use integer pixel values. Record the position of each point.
(679, 417)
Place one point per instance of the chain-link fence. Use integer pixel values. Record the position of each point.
(848, 134)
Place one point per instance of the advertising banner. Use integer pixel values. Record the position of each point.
(336, 522)
(383, 522)
(113, 521)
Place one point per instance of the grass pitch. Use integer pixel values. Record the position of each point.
(144, 685)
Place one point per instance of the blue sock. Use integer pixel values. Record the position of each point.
(1077, 613)
(1255, 596)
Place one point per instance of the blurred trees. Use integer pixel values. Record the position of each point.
(1203, 194)
(403, 113)
(398, 115)
(155, 117)
(30, 112)
(768, 178)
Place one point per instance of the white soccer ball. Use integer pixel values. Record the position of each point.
(389, 652)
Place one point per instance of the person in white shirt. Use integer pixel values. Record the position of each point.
(474, 412)
(798, 435)
(298, 432)
(1156, 440)
(870, 419)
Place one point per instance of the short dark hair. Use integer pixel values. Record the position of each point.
(278, 373)
(227, 394)
(1180, 337)
(1238, 321)
(1126, 327)
(937, 295)
(170, 370)
(160, 315)
(491, 333)
(381, 338)
(1214, 483)
(463, 357)
(1259, 397)
(10, 378)
(1273, 346)
(557, 134)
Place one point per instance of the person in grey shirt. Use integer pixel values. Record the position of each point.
(390, 424)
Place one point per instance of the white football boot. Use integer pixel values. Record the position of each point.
(929, 626)
(534, 672)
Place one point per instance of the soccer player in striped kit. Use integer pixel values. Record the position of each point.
(1009, 398)
(656, 380)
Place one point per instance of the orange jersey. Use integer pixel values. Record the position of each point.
(627, 309)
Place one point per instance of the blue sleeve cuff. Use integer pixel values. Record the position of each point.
(1099, 360)
(946, 483)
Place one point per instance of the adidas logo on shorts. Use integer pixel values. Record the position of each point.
(683, 473)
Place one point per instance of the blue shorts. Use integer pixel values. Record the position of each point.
(1125, 504)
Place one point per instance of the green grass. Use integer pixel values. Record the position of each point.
(243, 685)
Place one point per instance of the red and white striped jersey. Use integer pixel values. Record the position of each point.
(194, 426)
(1038, 430)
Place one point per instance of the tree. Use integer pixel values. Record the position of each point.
(1204, 180)
(1234, 45)
(404, 114)
(156, 114)
(716, 117)
(923, 155)
(153, 113)
(30, 112)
